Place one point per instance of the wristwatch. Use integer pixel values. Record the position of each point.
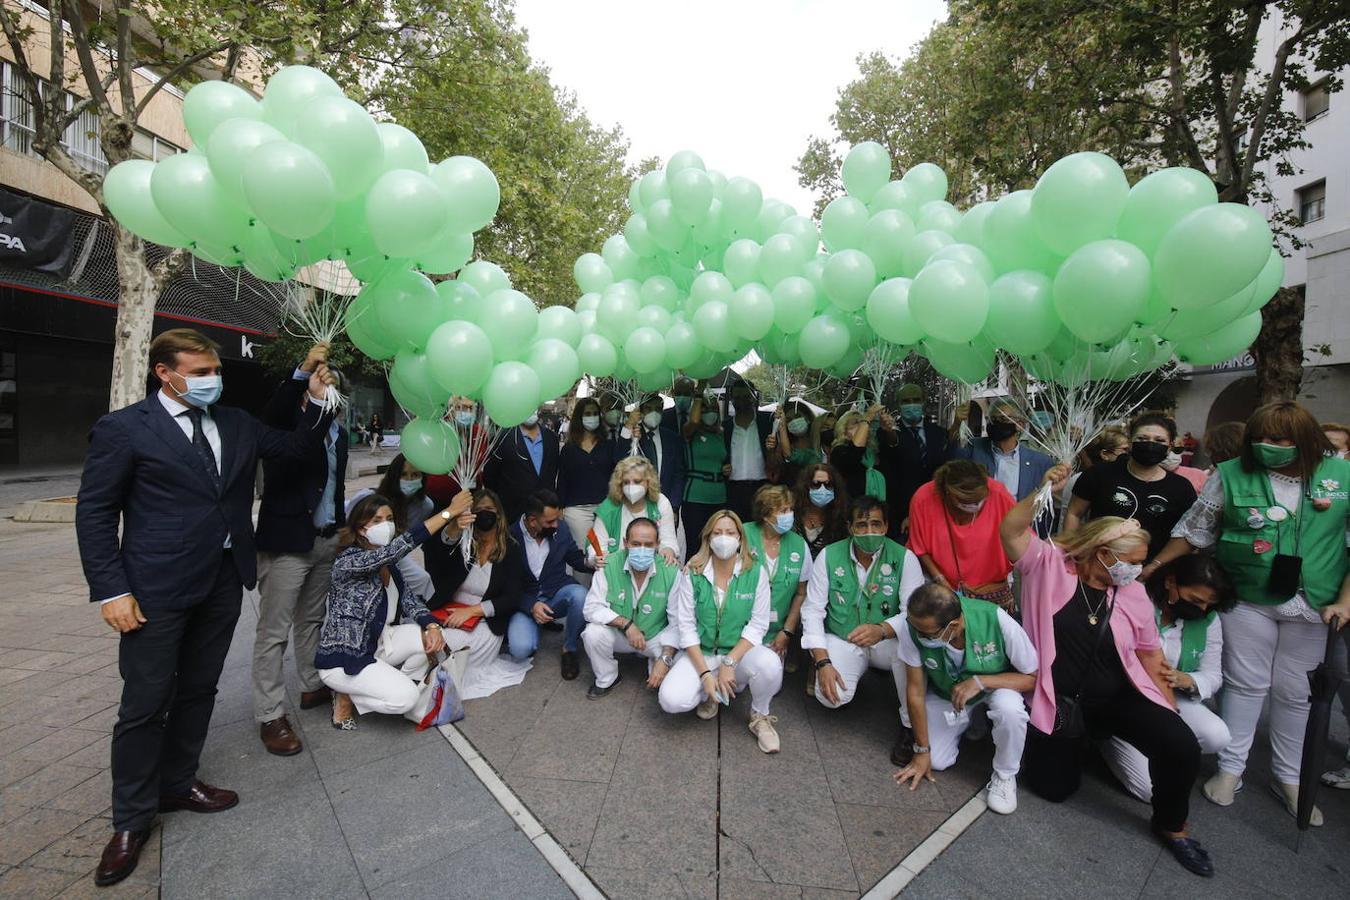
(445, 514)
(822, 663)
(669, 661)
(921, 748)
(728, 662)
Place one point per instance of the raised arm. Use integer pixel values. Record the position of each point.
(1015, 531)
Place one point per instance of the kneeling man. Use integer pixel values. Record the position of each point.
(964, 658)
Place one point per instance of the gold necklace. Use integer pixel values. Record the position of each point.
(1093, 617)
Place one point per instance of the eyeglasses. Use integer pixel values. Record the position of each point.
(825, 483)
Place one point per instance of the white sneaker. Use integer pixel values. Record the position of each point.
(761, 726)
(1288, 794)
(1221, 787)
(707, 709)
(1001, 794)
(1339, 778)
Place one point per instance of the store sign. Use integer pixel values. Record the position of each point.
(1244, 363)
(35, 235)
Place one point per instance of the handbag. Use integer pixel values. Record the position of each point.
(1069, 720)
(438, 701)
(442, 614)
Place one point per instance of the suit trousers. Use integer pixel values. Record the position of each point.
(169, 668)
(293, 588)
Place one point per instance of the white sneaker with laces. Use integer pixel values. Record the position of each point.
(707, 709)
(1001, 794)
(761, 726)
(1339, 778)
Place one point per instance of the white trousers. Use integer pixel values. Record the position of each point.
(851, 661)
(602, 642)
(1008, 718)
(1266, 651)
(391, 683)
(579, 520)
(482, 643)
(760, 668)
(1131, 767)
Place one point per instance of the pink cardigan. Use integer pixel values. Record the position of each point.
(1048, 583)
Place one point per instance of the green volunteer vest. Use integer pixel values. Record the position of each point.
(786, 577)
(850, 604)
(650, 614)
(720, 629)
(985, 654)
(1194, 636)
(1318, 536)
(611, 514)
(704, 456)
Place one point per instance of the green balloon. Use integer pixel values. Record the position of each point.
(621, 259)
(949, 300)
(460, 356)
(126, 193)
(511, 393)
(884, 240)
(471, 190)
(208, 104)
(889, 315)
(771, 215)
(645, 349)
(921, 249)
(413, 387)
(597, 355)
(925, 182)
(708, 287)
(794, 303)
(684, 159)
(968, 254)
(669, 233)
(1101, 288)
(659, 380)
(654, 317)
(897, 195)
(405, 212)
(406, 305)
(823, 342)
(430, 444)
(402, 149)
(1011, 240)
(712, 324)
(556, 365)
(374, 267)
(561, 323)
(592, 273)
(691, 195)
(843, 223)
(639, 237)
(485, 277)
(659, 290)
(364, 331)
(289, 189)
(1160, 200)
(782, 347)
(971, 229)
(345, 137)
(866, 168)
(752, 312)
(448, 253)
(682, 347)
(230, 149)
(741, 203)
(741, 262)
(1078, 200)
(1210, 254)
(805, 231)
(1022, 317)
(961, 362)
(1192, 323)
(938, 215)
(781, 257)
(510, 320)
(652, 188)
(616, 316)
(849, 279)
(263, 258)
(194, 204)
(290, 91)
(1266, 283)
(1230, 341)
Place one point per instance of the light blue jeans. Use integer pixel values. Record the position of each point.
(522, 632)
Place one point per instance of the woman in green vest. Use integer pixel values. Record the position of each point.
(1189, 595)
(706, 467)
(634, 492)
(721, 630)
(1276, 517)
(783, 554)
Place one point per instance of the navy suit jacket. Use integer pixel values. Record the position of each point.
(562, 552)
(1033, 463)
(672, 470)
(510, 471)
(292, 487)
(141, 469)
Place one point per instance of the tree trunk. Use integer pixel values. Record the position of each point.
(1278, 349)
(138, 290)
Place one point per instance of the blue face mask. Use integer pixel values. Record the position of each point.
(464, 418)
(782, 523)
(409, 486)
(822, 496)
(202, 390)
(911, 413)
(640, 559)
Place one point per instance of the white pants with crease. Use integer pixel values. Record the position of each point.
(760, 669)
(602, 643)
(851, 661)
(1008, 718)
(391, 683)
(1131, 767)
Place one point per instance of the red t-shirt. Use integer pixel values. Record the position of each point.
(977, 545)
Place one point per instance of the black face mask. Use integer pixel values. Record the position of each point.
(1148, 453)
(827, 436)
(1000, 430)
(1183, 609)
(485, 520)
(547, 534)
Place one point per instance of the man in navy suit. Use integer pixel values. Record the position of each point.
(547, 592)
(745, 432)
(1019, 468)
(920, 448)
(524, 460)
(177, 472)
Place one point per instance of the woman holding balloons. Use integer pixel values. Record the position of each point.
(706, 466)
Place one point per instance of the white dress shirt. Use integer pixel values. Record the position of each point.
(818, 593)
(1021, 654)
(747, 453)
(1007, 466)
(754, 630)
(1209, 677)
(536, 550)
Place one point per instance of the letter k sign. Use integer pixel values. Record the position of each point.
(245, 347)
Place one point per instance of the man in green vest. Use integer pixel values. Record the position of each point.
(855, 586)
(628, 609)
(964, 658)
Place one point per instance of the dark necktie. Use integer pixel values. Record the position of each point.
(923, 445)
(203, 446)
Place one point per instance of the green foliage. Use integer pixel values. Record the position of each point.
(282, 354)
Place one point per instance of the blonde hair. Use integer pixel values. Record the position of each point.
(629, 464)
(1112, 532)
(771, 497)
(844, 424)
(700, 559)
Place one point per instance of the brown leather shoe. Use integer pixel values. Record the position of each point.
(201, 798)
(313, 699)
(279, 738)
(120, 856)
(902, 754)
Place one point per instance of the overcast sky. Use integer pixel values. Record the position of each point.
(744, 83)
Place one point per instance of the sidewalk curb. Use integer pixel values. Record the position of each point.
(897, 879)
(553, 853)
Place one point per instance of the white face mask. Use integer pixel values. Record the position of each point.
(652, 420)
(724, 546)
(590, 423)
(972, 508)
(1171, 462)
(634, 492)
(380, 534)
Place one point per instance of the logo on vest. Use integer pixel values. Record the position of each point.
(930, 662)
(623, 595)
(838, 571)
(795, 557)
(887, 590)
(1277, 514)
(984, 650)
(886, 569)
(646, 609)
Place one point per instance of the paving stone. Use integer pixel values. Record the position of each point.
(30, 832)
(46, 784)
(97, 754)
(879, 837)
(730, 888)
(26, 883)
(482, 871)
(92, 797)
(14, 738)
(638, 879)
(376, 737)
(78, 852)
(92, 714)
(594, 730)
(497, 725)
(60, 745)
(568, 810)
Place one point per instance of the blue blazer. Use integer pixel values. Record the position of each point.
(1033, 463)
(562, 552)
(292, 487)
(142, 470)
